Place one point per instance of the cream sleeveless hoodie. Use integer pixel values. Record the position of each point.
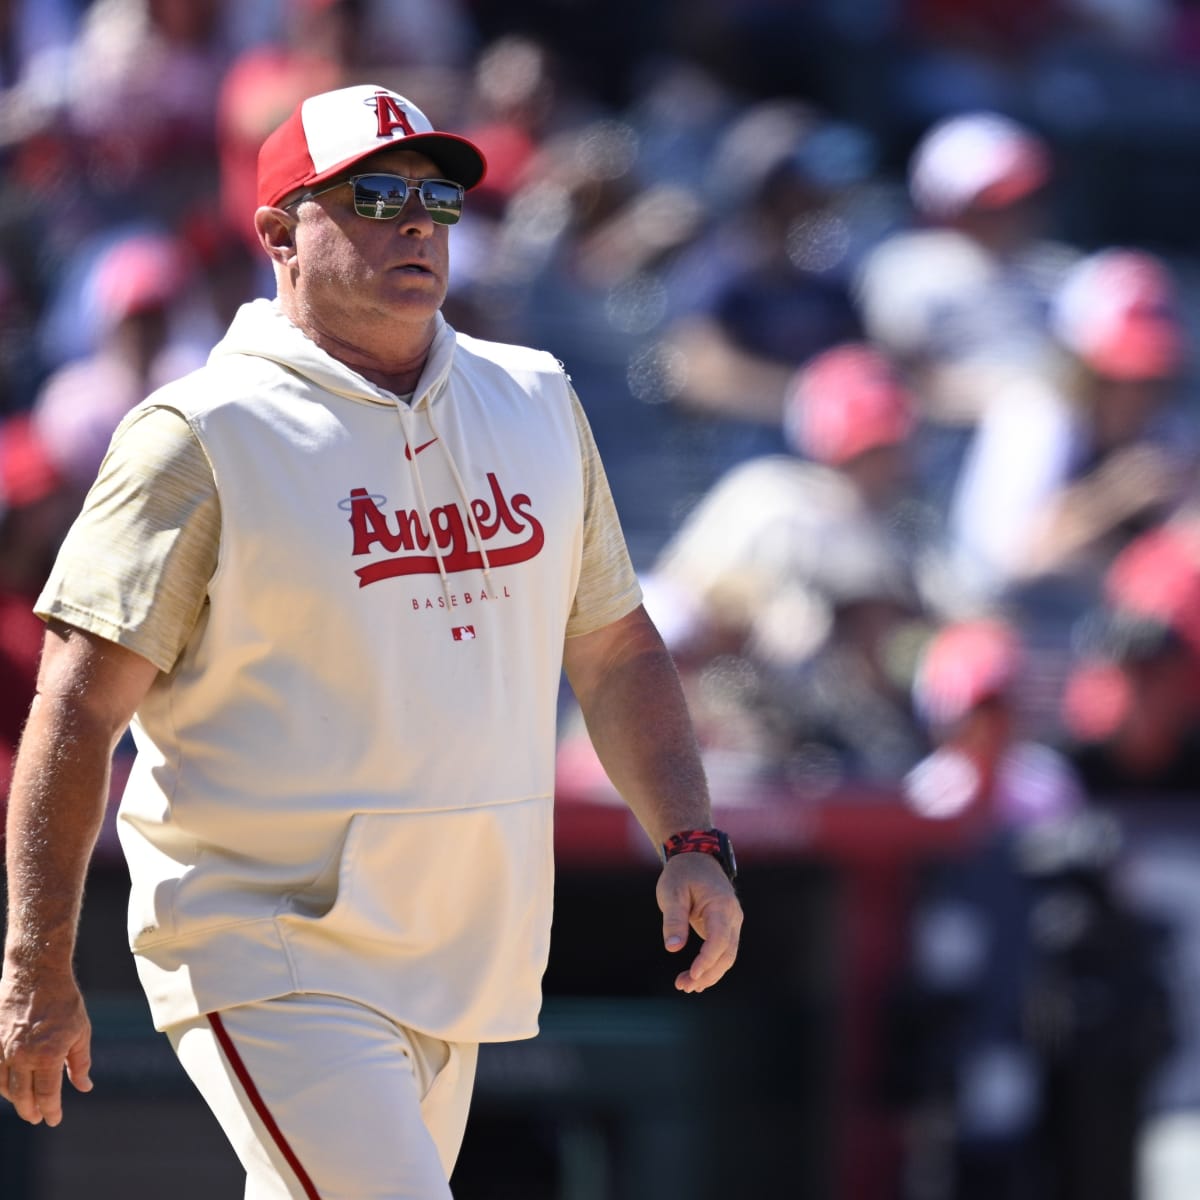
(345, 785)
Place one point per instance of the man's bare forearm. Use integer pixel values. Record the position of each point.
(639, 724)
(56, 805)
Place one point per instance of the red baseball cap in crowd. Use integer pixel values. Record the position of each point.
(328, 133)
(976, 160)
(138, 274)
(845, 401)
(1157, 577)
(965, 664)
(1151, 608)
(27, 471)
(1117, 310)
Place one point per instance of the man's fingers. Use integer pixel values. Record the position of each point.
(675, 929)
(79, 1064)
(716, 956)
(36, 1092)
(20, 1092)
(47, 1095)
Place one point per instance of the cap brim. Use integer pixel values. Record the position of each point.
(1142, 350)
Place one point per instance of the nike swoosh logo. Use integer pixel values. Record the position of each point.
(409, 452)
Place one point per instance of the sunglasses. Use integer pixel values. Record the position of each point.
(383, 197)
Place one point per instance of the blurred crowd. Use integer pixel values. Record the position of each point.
(884, 319)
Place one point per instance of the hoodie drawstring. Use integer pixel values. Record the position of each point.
(466, 501)
(405, 415)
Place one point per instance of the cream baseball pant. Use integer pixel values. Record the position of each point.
(325, 1099)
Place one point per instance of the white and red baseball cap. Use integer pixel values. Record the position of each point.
(976, 160)
(845, 401)
(1117, 309)
(328, 133)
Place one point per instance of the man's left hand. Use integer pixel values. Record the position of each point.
(693, 892)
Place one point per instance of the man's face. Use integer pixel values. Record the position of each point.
(356, 273)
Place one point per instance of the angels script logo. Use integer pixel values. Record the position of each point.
(403, 534)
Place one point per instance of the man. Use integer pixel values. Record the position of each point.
(332, 578)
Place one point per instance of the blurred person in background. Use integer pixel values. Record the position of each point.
(1131, 708)
(1029, 1013)
(315, 48)
(805, 567)
(144, 80)
(132, 304)
(541, 198)
(512, 106)
(778, 290)
(960, 299)
(1132, 721)
(35, 41)
(1065, 470)
(967, 688)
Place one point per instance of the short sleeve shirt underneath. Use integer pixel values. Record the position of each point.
(135, 566)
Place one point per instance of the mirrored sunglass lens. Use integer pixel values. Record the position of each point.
(382, 197)
(379, 196)
(443, 200)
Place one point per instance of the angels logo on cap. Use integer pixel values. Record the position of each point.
(328, 133)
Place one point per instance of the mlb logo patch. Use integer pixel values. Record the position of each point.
(463, 633)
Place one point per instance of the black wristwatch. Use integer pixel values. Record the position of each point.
(704, 841)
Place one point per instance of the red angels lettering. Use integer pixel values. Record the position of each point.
(451, 532)
(370, 526)
(390, 116)
(405, 537)
(488, 527)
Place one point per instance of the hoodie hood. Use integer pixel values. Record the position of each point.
(261, 330)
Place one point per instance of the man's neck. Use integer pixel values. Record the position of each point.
(393, 361)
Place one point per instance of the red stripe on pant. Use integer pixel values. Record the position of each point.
(260, 1106)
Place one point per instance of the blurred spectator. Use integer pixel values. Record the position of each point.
(961, 300)
(131, 294)
(554, 176)
(1132, 706)
(512, 106)
(1030, 1013)
(314, 53)
(1133, 720)
(144, 81)
(1066, 469)
(35, 40)
(803, 567)
(966, 689)
(767, 286)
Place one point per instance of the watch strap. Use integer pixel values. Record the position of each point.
(702, 841)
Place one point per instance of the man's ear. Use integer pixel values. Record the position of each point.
(276, 231)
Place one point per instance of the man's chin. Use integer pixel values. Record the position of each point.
(415, 303)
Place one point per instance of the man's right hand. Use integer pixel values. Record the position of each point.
(43, 1027)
